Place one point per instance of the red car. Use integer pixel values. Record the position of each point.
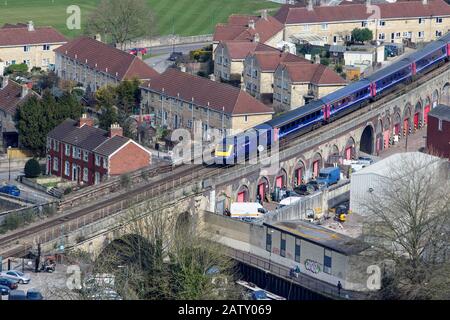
(136, 51)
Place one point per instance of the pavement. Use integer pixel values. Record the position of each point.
(415, 142)
(160, 61)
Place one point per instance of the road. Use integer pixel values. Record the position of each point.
(159, 60)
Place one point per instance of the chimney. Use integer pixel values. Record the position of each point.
(286, 48)
(310, 6)
(424, 2)
(24, 92)
(251, 24)
(256, 37)
(317, 59)
(98, 37)
(86, 121)
(30, 26)
(115, 130)
(264, 14)
(4, 82)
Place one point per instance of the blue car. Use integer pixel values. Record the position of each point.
(4, 290)
(11, 190)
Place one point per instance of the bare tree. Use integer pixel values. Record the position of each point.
(122, 20)
(409, 228)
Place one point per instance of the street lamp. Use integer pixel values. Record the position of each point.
(9, 163)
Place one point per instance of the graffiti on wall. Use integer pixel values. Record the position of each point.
(313, 266)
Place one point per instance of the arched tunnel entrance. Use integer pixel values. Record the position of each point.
(367, 140)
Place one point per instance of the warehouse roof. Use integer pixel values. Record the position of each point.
(441, 111)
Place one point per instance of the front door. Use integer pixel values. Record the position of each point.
(315, 169)
(425, 115)
(279, 182)
(241, 197)
(348, 153)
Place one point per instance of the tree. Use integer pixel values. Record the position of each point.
(122, 20)
(17, 69)
(362, 35)
(408, 227)
(32, 169)
(38, 116)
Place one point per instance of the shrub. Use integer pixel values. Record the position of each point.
(19, 69)
(325, 61)
(125, 181)
(32, 169)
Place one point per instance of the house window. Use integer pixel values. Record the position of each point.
(381, 36)
(364, 24)
(85, 156)
(297, 250)
(306, 27)
(421, 20)
(76, 153)
(97, 160)
(26, 49)
(49, 143)
(438, 33)
(327, 261)
(189, 124)
(105, 163)
(245, 119)
(46, 47)
(438, 20)
(97, 178)
(45, 62)
(269, 240)
(55, 145)
(381, 23)
(324, 26)
(67, 152)
(86, 175)
(440, 125)
(397, 35)
(420, 34)
(255, 74)
(283, 245)
(55, 164)
(67, 169)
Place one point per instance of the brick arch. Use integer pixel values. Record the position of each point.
(316, 164)
(434, 98)
(243, 193)
(407, 121)
(349, 150)
(277, 182)
(263, 188)
(367, 139)
(299, 173)
(445, 95)
(379, 136)
(223, 201)
(417, 117)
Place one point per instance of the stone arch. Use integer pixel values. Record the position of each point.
(299, 175)
(280, 179)
(243, 194)
(417, 120)
(379, 136)
(426, 109)
(434, 99)
(316, 164)
(367, 139)
(263, 188)
(397, 122)
(223, 203)
(386, 131)
(407, 121)
(184, 224)
(445, 95)
(349, 151)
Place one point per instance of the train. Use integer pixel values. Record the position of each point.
(356, 95)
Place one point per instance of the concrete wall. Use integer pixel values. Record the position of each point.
(168, 40)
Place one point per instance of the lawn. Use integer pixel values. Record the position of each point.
(184, 17)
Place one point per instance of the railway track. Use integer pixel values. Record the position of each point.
(191, 172)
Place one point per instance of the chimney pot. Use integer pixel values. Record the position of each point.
(24, 91)
(310, 6)
(30, 26)
(264, 14)
(251, 24)
(115, 130)
(256, 37)
(86, 121)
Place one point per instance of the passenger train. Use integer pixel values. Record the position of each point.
(335, 105)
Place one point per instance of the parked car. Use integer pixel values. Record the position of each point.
(11, 190)
(16, 275)
(11, 284)
(305, 189)
(4, 290)
(174, 56)
(317, 185)
(34, 294)
(365, 161)
(17, 295)
(135, 51)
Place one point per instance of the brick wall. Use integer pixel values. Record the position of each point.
(438, 141)
(129, 159)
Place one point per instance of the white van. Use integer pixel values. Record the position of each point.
(288, 201)
(241, 210)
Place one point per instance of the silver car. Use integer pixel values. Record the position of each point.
(16, 275)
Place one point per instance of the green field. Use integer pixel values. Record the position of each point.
(184, 17)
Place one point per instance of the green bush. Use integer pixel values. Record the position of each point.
(19, 69)
(325, 61)
(32, 169)
(125, 181)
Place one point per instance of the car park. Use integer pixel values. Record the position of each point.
(11, 190)
(18, 276)
(34, 294)
(11, 284)
(17, 295)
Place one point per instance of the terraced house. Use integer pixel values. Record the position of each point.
(181, 100)
(295, 84)
(25, 43)
(95, 64)
(415, 21)
(78, 151)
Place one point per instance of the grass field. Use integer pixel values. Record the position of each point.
(184, 17)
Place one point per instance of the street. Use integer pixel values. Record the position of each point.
(159, 61)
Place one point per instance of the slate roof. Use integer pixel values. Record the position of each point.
(18, 35)
(238, 49)
(314, 73)
(441, 111)
(11, 97)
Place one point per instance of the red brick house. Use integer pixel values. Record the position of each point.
(78, 151)
(438, 131)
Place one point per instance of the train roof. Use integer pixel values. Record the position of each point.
(343, 92)
(289, 116)
(394, 67)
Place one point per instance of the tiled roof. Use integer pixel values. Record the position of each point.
(220, 96)
(238, 49)
(441, 112)
(86, 137)
(11, 97)
(18, 35)
(238, 28)
(314, 73)
(101, 57)
(269, 61)
(358, 12)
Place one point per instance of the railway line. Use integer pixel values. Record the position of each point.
(183, 174)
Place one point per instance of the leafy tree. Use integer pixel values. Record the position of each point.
(32, 169)
(107, 117)
(362, 35)
(17, 69)
(325, 61)
(122, 20)
(37, 117)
